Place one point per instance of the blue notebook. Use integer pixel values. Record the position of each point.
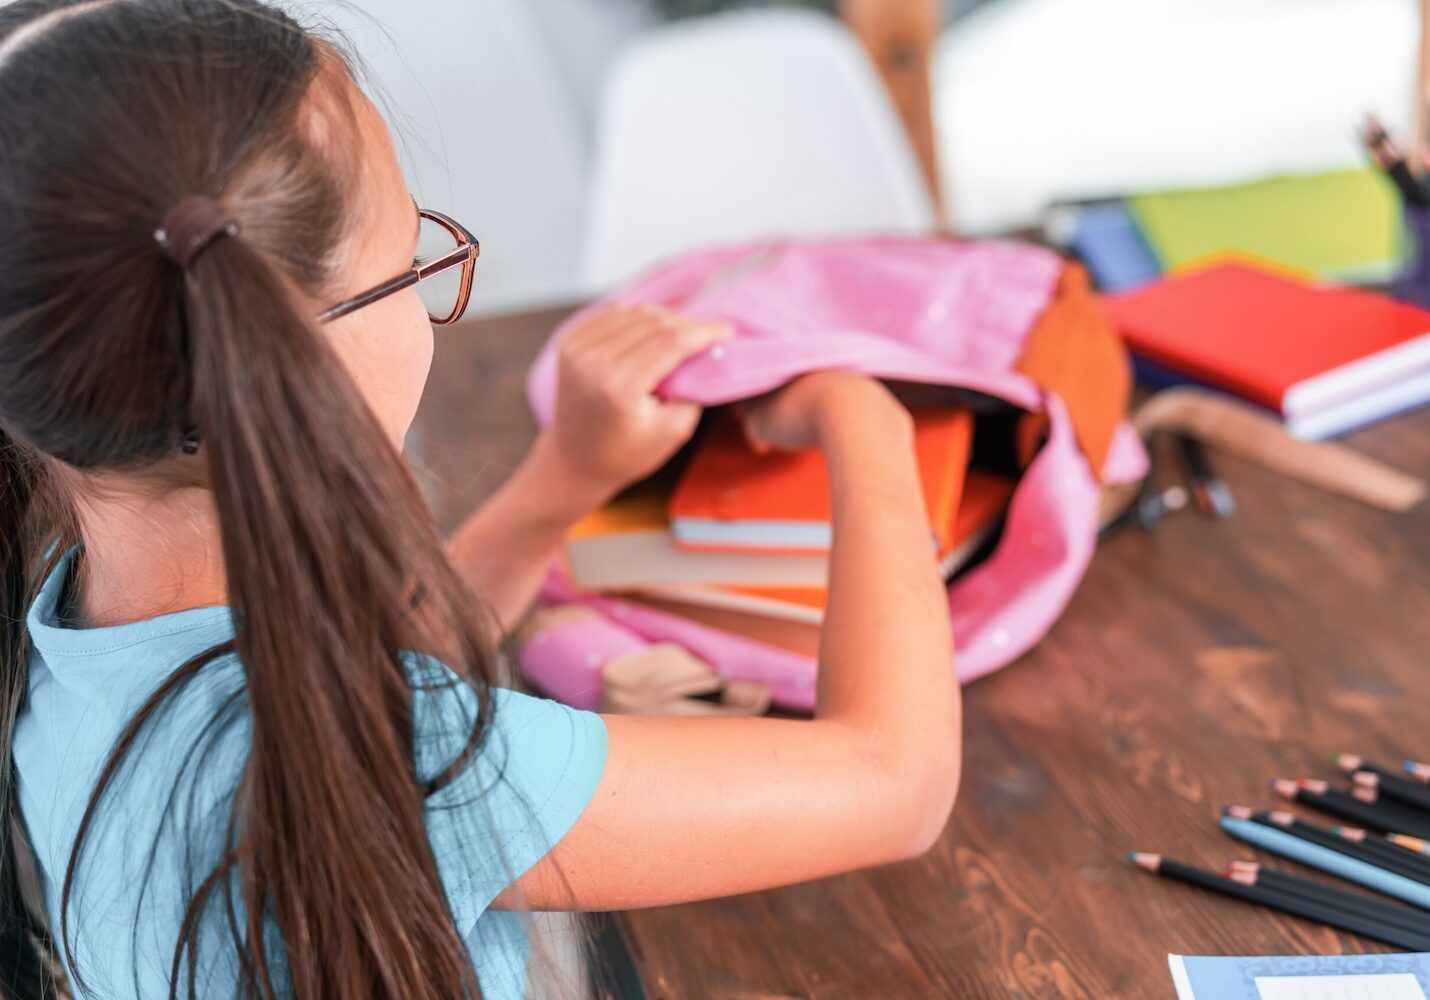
(1401, 976)
(1108, 240)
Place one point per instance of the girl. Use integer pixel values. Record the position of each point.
(251, 742)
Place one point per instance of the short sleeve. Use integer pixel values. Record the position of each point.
(536, 768)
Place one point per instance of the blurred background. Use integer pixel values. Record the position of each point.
(554, 128)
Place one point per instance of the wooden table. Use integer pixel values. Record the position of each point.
(1192, 665)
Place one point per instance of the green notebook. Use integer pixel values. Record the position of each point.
(1341, 226)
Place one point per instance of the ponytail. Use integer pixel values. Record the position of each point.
(27, 957)
(325, 534)
(336, 579)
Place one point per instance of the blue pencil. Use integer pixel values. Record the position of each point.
(1327, 860)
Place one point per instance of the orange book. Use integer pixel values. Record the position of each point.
(731, 498)
(627, 543)
(985, 498)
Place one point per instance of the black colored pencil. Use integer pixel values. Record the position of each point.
(1396, 785)
(1378, 816)
(1393, 786)
(1288, 823)
(1408, 818)
(1353, 762)
(1372, 907)
(1389, 158)
(1212, 495)
(1392, 854)
(1294, 905)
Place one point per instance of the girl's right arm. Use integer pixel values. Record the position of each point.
(691, 808)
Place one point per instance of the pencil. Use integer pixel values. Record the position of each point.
(1351, 763)
(1251, 873)
(1410, 865)
(1319, 795)
(1213, 497)
(1388, 157)
(1372, 875)
(1393, 786)
(1342, 844)
(1415, 845)
(1379, 930)
(1146, 511)
(1403, 818)
(1417, 770)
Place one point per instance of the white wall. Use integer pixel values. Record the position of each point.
(1039, 100)
(491, 101)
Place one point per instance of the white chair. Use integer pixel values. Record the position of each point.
(741, 126)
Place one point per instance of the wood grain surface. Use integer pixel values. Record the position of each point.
(1192, 665)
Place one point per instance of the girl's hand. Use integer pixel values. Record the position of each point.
(610, 428)
(797, 415)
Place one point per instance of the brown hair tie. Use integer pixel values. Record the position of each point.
(192, 225)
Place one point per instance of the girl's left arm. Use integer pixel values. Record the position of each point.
(610, 429)
(505, 546)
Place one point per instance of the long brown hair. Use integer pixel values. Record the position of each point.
(110, 355)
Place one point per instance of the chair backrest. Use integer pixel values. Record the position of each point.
(743, 126)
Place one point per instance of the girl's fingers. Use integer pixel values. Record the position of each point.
(616, 328)
(650, 360)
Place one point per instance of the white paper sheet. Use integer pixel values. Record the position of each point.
(1386, 986)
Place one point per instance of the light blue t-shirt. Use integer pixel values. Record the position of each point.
(537, 769)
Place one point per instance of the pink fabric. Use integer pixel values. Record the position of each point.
(566, 659)
(789, 676)
(931, 311)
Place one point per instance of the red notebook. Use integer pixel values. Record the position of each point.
(1327, 359)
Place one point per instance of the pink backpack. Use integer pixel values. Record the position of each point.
(925, 311)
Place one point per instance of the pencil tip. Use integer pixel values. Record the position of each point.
(1144, 860)
(1284, 787)
(1347, 761)
(1236, 812)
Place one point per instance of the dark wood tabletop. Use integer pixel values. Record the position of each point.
(1194, 664)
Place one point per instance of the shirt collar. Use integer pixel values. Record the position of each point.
(183, 633)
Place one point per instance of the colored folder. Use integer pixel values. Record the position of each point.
(1343, 226)
(1107, 239)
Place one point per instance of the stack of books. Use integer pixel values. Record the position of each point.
(740, 540)
(1326, 359)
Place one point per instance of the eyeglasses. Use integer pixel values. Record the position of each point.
(442, 271)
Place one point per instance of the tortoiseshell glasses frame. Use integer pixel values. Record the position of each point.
(464, 256)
